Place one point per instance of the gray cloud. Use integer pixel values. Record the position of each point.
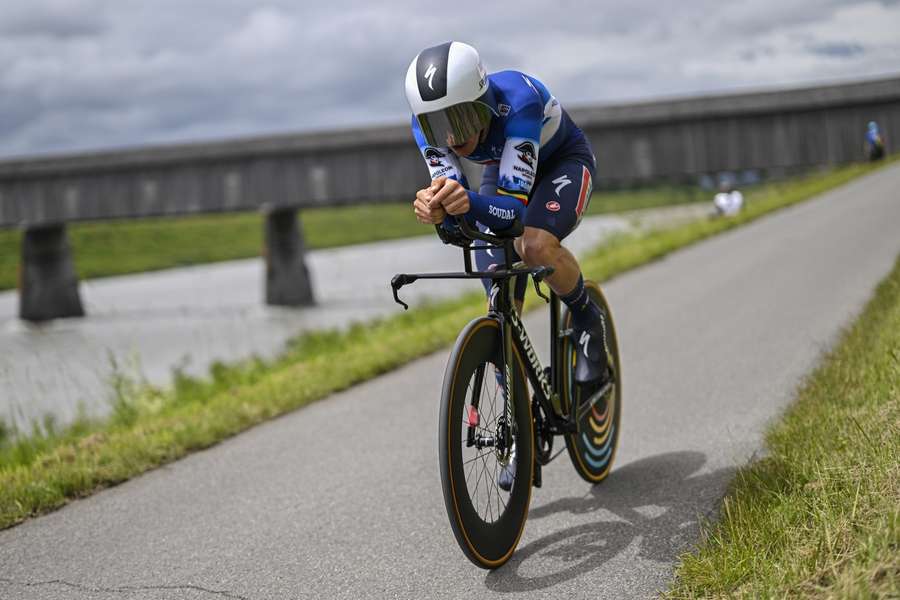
(837, 49)
(51, 19)
(78, 74)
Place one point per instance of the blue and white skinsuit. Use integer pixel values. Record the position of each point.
(538, 165)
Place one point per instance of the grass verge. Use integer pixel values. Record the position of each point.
(134, 246)
(149, 427)
(820, 515)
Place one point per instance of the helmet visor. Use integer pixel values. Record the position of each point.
(454, 125)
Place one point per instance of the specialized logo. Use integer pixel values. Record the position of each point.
(531, 355)
(431, 72)
(603, 331)
(508, 383)
(553, 205)
(526, 153)
(429, 75)
(434, 156)
(495, 293)
(584, 341)
(561, 182)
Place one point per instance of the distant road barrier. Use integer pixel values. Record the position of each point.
(672, 140)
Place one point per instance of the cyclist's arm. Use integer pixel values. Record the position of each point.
(441, 162)
(489, 180)
(487, 207)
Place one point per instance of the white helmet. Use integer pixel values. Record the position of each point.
(446, 87)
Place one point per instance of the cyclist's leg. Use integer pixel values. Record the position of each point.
(558, 201)
(557, 205)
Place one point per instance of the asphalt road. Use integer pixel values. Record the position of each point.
(342, 499)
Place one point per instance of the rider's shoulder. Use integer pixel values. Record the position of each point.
(517, 89)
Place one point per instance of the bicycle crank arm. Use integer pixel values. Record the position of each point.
(595, 397)
(563, 426)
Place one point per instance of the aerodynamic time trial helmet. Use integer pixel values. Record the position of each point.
(447, 88)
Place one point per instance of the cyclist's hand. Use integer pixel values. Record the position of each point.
(424, 212)
(451, 195)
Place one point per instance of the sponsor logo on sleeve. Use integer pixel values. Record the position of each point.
(526, 178)
(434, 156)
(501, 213)
(526, 153)
(553, 205)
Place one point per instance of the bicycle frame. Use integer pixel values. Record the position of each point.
(546, 384)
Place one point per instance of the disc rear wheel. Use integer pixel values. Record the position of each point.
(592, 448)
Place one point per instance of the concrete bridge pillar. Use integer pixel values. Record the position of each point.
(287, 278)
(48, 285)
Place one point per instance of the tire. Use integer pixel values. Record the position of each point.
(592, 448)
(486, 521)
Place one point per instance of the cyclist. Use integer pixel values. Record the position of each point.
(538, 168)
(874, 142)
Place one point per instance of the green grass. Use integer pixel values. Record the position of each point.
(820, 515)
(150, 427)
(614, 201)
(134, 246)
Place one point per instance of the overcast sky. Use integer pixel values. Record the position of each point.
(92, 74)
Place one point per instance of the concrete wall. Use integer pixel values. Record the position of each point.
(667, 140)
(771, 132)
(290, 171)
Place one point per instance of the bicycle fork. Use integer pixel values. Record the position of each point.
(501, 439)
(508, 418)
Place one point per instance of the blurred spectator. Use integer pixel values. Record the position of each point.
(728, 201)
(874, 142)
(750, 177)
(706, 182)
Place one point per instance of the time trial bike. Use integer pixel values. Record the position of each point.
(495, 436)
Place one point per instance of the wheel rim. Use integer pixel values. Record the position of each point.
(487, 538)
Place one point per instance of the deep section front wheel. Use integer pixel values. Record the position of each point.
(486, 446)
(592, 447)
